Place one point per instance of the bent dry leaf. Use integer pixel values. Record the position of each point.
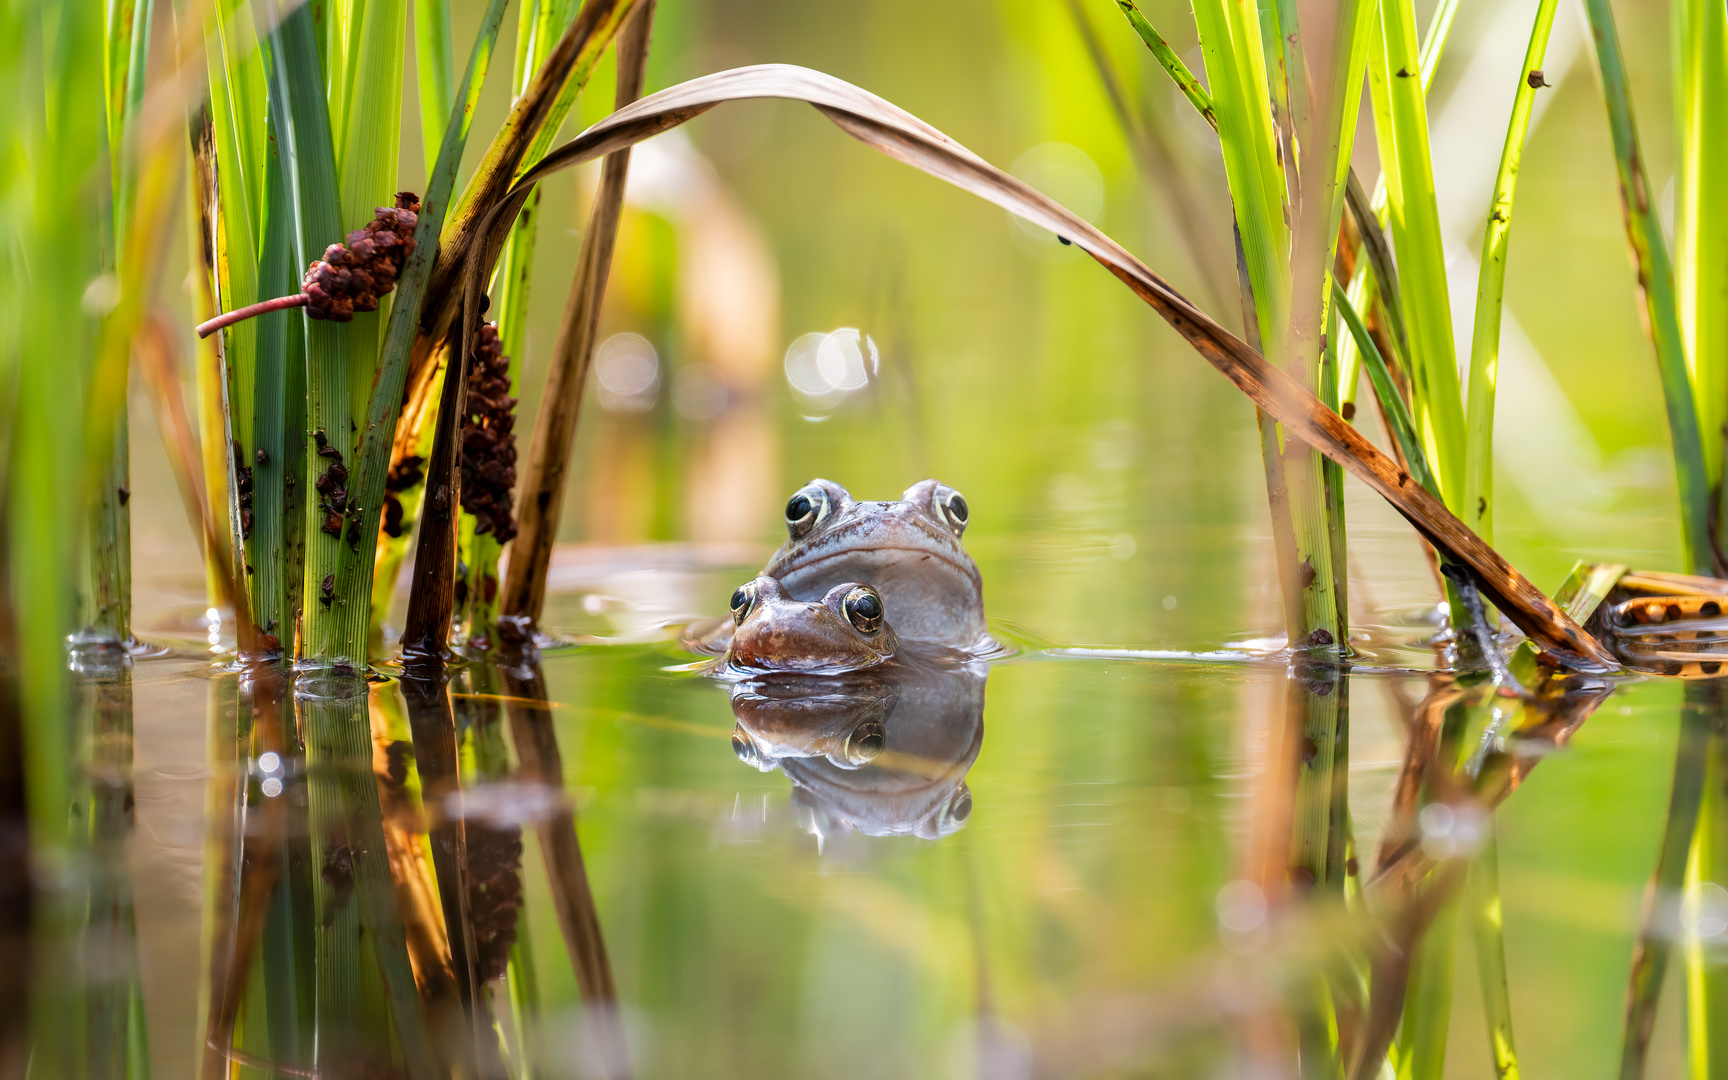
(903, 136)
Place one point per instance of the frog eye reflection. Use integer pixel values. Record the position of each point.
(951, 507)
(742, 601)
(749, 753)
(866, 743)
(864, 609)
(804, 510)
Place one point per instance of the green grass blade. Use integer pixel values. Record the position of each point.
(366, 157)
(1491, 290)
(1397, 413)
(1701, 220)
(1401, 122)
(371, 461)
(611, 20)
(435, 67)
(303, 132)
(541, 23)
(1170, 62)
(1656, 282)
(1230, 41)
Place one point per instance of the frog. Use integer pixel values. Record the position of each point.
(909, 550)
(846, 630)
(883, 752)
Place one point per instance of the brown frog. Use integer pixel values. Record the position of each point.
(846, 630)
(908, 550)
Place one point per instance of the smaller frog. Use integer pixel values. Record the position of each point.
(846, 630)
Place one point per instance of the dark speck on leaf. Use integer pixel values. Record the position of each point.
(1403, 73)
(1320, 636)
(1305, 574)
(1348, 411)
(1064, 241)
(1536, 80)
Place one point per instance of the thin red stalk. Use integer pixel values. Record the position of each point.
(250, 311)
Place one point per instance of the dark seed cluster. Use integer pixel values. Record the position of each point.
(353, 276)
(243, 489)
(334, 502)
(489, 439)
(404, 475)
(494, 894)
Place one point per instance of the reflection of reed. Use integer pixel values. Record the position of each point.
(461, 854)
(567, 875)
(15, 907)
(112, 1006)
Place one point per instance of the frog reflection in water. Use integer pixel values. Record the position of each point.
(908, 551)
(884, 753)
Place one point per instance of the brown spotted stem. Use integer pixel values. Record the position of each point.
(250, 311)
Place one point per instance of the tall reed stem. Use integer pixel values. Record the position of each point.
(541, 502)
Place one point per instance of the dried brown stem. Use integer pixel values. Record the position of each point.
(541, 502)
(250, 311)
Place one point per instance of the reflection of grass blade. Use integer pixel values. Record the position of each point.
(541, 501)
(1482, 905)
(1491, 287)
(356, 891)
(536, 745)
(1655, 927)
(1706, 982)
(879, 124)
(1656, 282)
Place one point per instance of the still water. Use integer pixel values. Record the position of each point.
(1031, 867)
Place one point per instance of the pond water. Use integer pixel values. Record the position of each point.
(1037, 869)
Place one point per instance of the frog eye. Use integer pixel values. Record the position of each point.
(950, 506)
(804, 509)
(743, 600)
(863, 609)
(866, 743)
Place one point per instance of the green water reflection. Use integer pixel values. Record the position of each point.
(1064, 899)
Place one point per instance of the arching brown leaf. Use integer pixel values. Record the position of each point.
(901, 135)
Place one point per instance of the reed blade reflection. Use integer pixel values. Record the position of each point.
(542, 763)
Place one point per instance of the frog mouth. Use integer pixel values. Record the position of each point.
(964, 569)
